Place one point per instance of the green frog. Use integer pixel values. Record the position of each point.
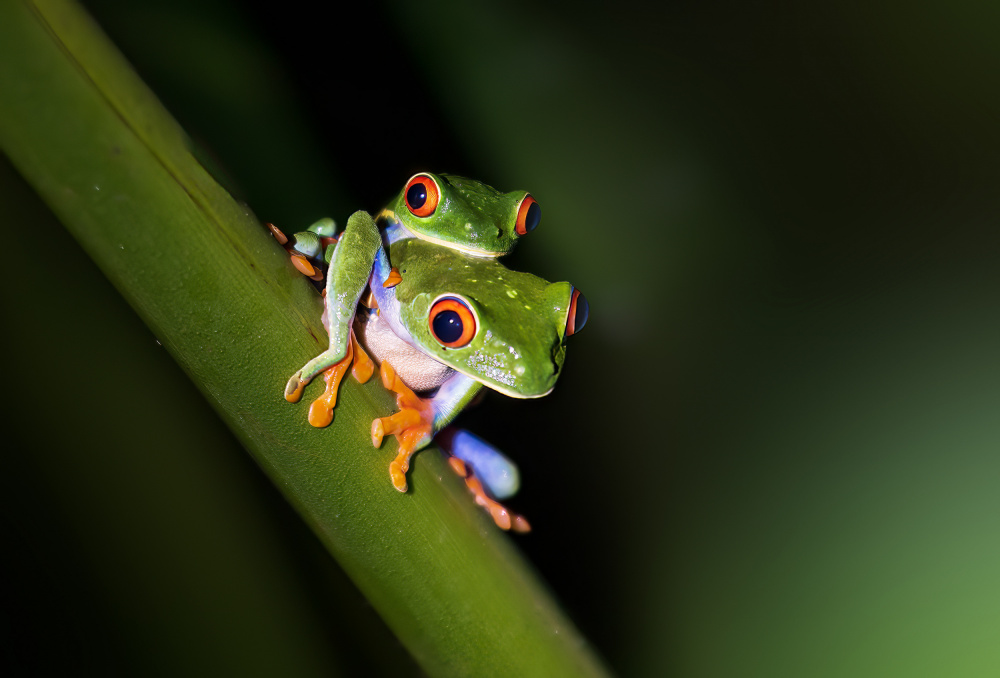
(421, 290)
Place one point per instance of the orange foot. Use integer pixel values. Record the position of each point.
(412, 425)
(321, 410)
(503, 517)
(305, 267)
(300, 261)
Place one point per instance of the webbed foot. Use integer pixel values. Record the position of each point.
(502, 516)
(412, 425)
(488, 474)
(321, 409)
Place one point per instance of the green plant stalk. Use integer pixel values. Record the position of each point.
(220, 295)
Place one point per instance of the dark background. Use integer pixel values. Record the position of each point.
(775, 449)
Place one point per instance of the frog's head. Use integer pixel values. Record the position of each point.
(465, 214)
(507, 333)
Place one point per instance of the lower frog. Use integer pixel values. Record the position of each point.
(442, 324)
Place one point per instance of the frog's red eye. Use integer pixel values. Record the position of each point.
(528, 216)
(421, 195)
(452, 322)
(579, 310)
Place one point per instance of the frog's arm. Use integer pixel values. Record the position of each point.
(452, 397)
(487, 473)
(418, 419)
(350, 268)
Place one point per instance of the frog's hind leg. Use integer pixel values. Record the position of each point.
(350, 268)
(321, 410)
(325, 360)
(502, 516)
(488, 474)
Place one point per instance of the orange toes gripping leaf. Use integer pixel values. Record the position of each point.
(504, 518)
(412, 425)
(321, 409)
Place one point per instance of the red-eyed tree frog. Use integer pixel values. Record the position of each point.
(420, 289)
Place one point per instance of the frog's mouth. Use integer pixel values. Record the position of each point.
(391, 217)
(485, 370)
(516, 394)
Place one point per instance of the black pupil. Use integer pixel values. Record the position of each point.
(532, 218)
(448, 326)
(416, 195)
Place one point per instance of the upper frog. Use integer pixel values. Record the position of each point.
(463, 214)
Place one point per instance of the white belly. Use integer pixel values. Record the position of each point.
(417, 369)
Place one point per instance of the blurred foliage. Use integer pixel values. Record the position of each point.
(773, 451)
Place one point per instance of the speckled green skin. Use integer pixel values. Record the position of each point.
(520, 318)
(470, 216)
(518, 349)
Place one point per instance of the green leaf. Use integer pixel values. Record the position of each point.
(221, 296)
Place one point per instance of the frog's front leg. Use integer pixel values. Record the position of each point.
(418, 419)
(350, 267)
(487, 473)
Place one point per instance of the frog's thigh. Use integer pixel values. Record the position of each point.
(350, 268)
(498, 474)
